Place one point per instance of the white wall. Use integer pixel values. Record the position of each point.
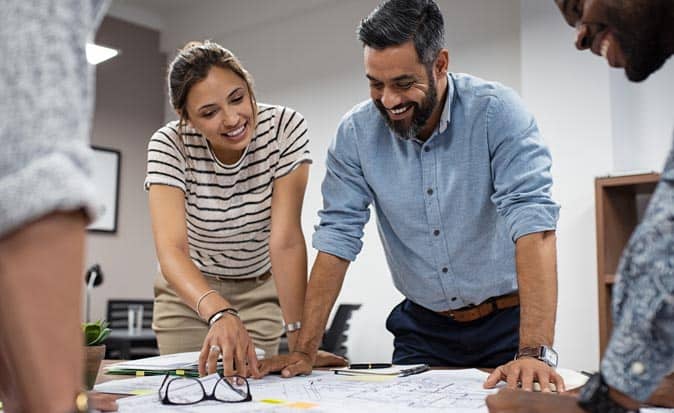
(642, 119)
(309, 59)
(569, 94)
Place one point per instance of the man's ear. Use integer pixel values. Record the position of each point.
(442, 63)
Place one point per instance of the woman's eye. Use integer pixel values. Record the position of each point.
(237, 99)
(208, 114)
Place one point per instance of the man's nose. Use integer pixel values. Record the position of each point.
(390, 99)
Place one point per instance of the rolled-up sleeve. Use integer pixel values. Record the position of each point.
(641, 349)
(520, 167)
(346, 198)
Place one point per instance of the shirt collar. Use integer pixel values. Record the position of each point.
(446, 115)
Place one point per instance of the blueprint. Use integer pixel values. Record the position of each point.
(458, 391)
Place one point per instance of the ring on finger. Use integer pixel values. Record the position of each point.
(215, 349)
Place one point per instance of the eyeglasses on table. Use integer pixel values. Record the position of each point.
(190, 390)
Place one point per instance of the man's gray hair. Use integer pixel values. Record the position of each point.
(395, 22)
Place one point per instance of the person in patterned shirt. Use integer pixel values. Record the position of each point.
(637, 35)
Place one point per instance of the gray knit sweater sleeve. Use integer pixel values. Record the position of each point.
(46, 99)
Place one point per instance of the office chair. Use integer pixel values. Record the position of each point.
(117, 317)
(334, 338)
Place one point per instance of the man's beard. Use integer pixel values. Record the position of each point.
(422, 112)
(638, 36)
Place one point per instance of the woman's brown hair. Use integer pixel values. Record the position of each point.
(192, 65)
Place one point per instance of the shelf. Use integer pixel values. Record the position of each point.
(619, 205)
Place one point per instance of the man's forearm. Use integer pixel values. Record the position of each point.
(536, 257)
(327, 276)
(290, 275)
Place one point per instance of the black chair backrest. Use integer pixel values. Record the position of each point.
(118, 315)
(334, 339)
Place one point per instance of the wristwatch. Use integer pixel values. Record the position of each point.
(594, 397)
(544, 353)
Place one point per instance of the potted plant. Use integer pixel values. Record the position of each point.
(94, 336)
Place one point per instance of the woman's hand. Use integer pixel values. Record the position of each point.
(229, 337)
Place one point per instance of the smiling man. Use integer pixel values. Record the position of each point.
(637, 35)
(460, 181)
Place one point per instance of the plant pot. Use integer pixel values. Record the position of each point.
(93, 357)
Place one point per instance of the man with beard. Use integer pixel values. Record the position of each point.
(637, 35)
(460, 180)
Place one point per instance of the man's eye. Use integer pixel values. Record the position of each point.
(377, 86)
(405, 85)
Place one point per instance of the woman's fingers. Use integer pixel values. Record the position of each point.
(214, 351)
(253, 368)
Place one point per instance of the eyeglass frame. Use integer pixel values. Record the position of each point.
(205, 395)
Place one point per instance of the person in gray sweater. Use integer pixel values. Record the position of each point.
(46, 199)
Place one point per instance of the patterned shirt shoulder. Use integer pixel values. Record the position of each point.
(641, 350)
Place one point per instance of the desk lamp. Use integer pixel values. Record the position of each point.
(93, 278)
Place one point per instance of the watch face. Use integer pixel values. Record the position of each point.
(550, 356)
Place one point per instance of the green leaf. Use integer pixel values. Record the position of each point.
(95, 333)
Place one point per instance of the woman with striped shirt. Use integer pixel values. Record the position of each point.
(226, 184)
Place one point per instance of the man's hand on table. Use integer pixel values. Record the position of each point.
(525, 371)
(511, 401)
(296, 363)
(664, 395)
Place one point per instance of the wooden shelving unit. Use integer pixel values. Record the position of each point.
(619, 202)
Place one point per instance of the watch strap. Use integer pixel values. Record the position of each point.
(595, 397)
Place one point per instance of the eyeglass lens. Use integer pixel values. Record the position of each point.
(186, 390)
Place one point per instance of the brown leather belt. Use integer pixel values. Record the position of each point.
(262, 277)
(466, 314)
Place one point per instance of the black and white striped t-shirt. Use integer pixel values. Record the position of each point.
(228, 207)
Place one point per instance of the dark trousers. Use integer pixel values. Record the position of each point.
(423, 336)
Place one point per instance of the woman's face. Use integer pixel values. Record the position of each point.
(220, 108)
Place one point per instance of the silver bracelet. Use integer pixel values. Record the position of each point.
(290, 327)
(201, 299)
(219, 314)
(215, 317)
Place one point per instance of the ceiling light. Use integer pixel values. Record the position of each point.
(97, 54)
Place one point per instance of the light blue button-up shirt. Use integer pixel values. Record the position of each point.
(448, 209)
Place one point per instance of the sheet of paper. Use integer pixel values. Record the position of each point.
(459, 391)
(185, 360)
(572, 378)
(135, 386)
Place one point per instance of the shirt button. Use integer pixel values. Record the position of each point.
(453, 298)
(637, 368)
(429, 191)
(436, 232)
(427, 149)
(444, 269)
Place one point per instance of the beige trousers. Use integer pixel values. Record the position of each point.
(178, 327)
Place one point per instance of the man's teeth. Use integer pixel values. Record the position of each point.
(605, 44)
(399, 111)
(236, 131)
